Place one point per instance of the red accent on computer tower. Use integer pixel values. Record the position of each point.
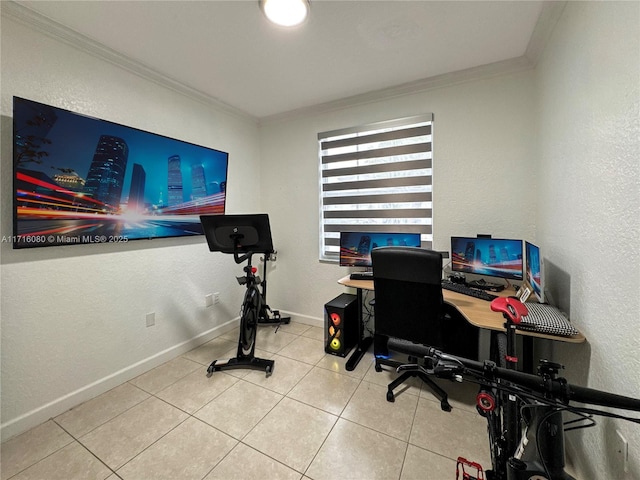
(341, 324)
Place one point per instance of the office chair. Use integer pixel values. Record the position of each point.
(408, 307)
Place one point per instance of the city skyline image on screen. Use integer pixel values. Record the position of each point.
(355, 247)
(487, 256)
(80, 180)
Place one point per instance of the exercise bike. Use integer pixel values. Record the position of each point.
(243, 236)
(524, 412)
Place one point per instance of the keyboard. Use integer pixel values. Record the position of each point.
(361, 276)
(465, 290)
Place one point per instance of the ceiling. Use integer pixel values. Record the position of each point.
(227, 50)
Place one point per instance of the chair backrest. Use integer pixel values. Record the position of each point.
(408, 294)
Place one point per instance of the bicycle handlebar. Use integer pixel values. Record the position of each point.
(548, 384)
(556, 387)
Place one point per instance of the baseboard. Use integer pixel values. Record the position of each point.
(60, 405)
(304, 319)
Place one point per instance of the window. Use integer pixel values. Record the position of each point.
(376, 178)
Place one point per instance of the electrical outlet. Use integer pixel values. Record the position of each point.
(622, 450)
(151, 319)
(208, 300)
(216, 298)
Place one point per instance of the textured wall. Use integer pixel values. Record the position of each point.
(588, 218)
(73, 317)
(484, 178)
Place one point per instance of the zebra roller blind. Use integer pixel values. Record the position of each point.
(376, 178)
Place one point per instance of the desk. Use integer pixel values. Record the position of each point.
(476, 311)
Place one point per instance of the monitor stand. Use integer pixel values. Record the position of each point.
(484, 285)
(361, 276)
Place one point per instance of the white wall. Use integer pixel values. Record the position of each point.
(549, 155)
(588, 217)
(510, 156)
(73, 317)
(484, 175)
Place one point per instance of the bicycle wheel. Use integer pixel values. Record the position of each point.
(249, 321)
(498, 349)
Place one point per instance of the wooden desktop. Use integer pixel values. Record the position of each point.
(476, 311)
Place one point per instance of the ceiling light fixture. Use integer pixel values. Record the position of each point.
(286, 13)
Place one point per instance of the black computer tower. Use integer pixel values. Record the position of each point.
(341, 324)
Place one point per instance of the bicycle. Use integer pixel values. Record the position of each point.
(524, 412)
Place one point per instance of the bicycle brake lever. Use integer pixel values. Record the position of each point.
(411, 367)
(448, 370)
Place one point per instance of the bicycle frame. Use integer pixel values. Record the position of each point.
(534, 448)
(539, 437)
(504, 419)
(518, 455)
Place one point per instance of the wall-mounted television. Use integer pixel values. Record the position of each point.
(82, 180)
(493, 257)
(355, 247)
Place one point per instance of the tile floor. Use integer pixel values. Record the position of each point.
(310, 420)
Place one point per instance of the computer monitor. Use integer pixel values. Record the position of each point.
(355, 247)
(533, 270)
(492, 257)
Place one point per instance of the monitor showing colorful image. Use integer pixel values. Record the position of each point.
(487, 256)
(533, 270)
(80, 180)
(355, 247)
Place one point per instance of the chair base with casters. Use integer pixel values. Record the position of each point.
(400, 347)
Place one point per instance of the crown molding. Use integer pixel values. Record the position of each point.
(546, 24)
(57, 31)
(503, 67)
(547, 21)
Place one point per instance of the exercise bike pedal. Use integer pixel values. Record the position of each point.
(279, 319)
(273, 318)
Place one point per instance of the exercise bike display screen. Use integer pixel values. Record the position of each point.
(355, 247)
(487, 256)
(238, 233)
